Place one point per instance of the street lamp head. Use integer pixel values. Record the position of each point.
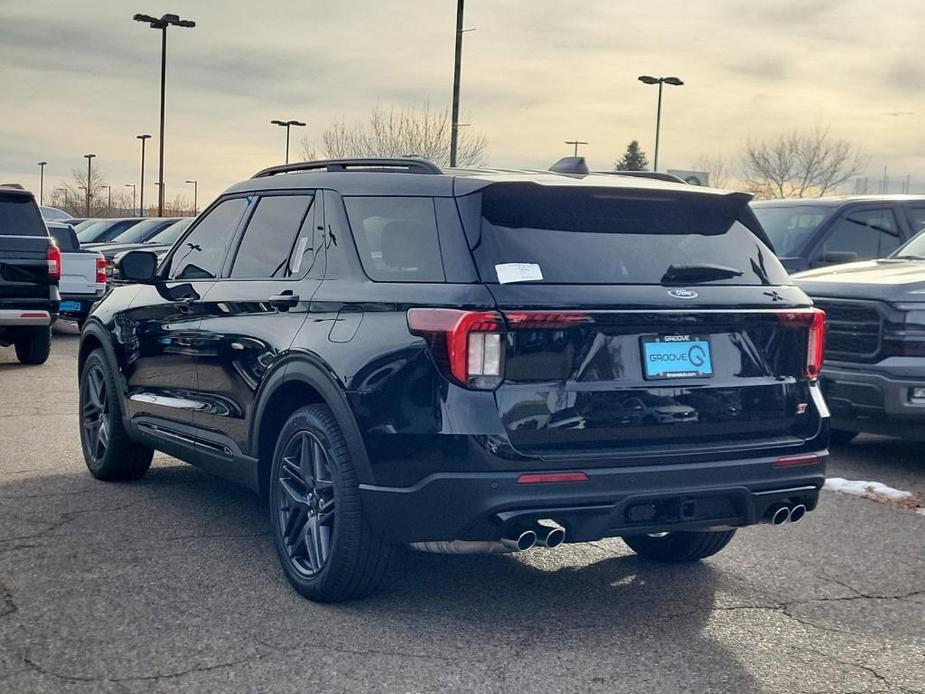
(296, 122)
(148, 19)
(42, 163)
(89, 156)
(674, 81)
(164, 22)
(278, 122)
(142, 137)
(190, 181)
(648, 79)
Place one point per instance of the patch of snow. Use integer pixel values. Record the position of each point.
(876, 491)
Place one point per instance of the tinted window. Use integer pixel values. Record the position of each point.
(868, 233)
(599, 236)
(19, 216)
(270, 235)
(104, 230)
(789, 228)
(142, 231)
(65, 237)
(201, 254)
(166, 237)
(917, 218)
(396, 238)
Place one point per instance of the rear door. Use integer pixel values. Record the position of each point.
(640, 325)
(859, 233)
(251, 316)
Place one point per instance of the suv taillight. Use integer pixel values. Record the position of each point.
(813, 320)
(100, 269)
(467, 344)
(53, 255)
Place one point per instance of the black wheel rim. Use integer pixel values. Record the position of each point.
(95, 413)
(305, 503)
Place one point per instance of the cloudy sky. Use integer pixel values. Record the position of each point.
(80, 76)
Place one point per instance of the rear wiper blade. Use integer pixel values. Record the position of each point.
(687, 274)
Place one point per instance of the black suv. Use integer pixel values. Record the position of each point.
(466, 361)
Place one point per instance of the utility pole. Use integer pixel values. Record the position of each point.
(133, 187)
(196, 195)
(141, 211)
(89, 158)
(576, 143)
(42, 182)
(109, 202)
(457, 70)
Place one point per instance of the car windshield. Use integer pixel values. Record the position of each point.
(166, 237)
(104, 230)
(790, 227)
(141, 232)
(913, 248)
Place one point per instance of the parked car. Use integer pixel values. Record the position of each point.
(874, 371)
(391, 353)
(52, 214)
(103, 230)
(30, 267)
(83, 274)
(140, 232)
(159, 244)
(816, 232)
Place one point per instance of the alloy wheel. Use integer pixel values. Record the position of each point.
(305, 503)
(95, 414)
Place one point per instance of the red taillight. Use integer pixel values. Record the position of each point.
(546, 477)
(469, 342)
(545, 319)
(100, 269)
(53, 255)
(796, 460)
(813, 320)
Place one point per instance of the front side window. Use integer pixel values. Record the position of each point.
(866, 233)
(200, 255)
(270, 236)
(396, 238)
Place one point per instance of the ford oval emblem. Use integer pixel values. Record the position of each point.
(684, 293)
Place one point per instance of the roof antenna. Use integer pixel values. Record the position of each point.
(571, 165)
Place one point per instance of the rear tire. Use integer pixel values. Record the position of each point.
(680, 546)
(33, 345)
(108, 451)
(842, 437)
(325, 544)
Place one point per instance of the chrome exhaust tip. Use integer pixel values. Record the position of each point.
(550, 537)
(522, 542)
(780, 516)
(797, 512)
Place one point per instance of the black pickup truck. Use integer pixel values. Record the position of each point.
(30, 267)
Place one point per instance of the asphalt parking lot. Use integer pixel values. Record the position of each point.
(172, 584)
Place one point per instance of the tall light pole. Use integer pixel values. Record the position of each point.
(132, 185)
(109, 201)
(89, 158)
(673, 81)
(162, 24)
(576, 143)
(42, 182)
(286, 124)
(196, 196)
(457, 72)
(142, 186)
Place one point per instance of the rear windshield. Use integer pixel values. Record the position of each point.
(104, 230)
(600, 236)
(65, 237)
(789, 228)
(19, 216)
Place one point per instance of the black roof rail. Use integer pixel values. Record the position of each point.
(406, 164)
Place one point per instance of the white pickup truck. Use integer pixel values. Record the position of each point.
(83, 274)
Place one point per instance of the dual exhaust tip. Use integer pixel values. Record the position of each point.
(549, 536)
(787, 514)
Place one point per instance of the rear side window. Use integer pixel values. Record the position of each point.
(65, 237)
(271, 233)
(396, 238)
(201, 253)
(19, 216)
(602, 236)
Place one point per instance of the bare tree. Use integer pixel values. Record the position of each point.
(180, 206)
(397, 132)
(71, 196)
(800, 164)
(718, 168)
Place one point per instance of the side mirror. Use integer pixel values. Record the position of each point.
(837, 257)
(137, 266)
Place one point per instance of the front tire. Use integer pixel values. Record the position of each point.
(324, 542)
(679, 546)
(108, 452)
(33, 345)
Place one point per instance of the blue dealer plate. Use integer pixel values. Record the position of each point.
(70, 307)
(676, 356)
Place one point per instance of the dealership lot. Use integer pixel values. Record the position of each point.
(172, 583)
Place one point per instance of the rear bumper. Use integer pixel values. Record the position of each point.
(876, 398)
(612, 502)
(24, 318)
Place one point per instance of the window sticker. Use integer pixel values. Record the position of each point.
(299, 252)
(518, 272)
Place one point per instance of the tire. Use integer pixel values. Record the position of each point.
(108, 451)
(33, 345)
(314, 505)
(842, 437)
(680, 546)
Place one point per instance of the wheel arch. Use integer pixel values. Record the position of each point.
(298, 382)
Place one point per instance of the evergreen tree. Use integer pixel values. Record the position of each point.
(633, 160)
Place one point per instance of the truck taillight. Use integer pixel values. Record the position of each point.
(100, 269)
(53, 255)
(468, 344)
(813, 320)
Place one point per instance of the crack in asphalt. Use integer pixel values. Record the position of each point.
(136, 678)
(7, 604)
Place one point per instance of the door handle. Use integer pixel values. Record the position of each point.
(284, 301)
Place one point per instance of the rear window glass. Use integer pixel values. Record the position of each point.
(19, 216)
(789, 228)
(65, 237)
(141, 231)
(602, 236)
(396, 238)
(104, 230)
